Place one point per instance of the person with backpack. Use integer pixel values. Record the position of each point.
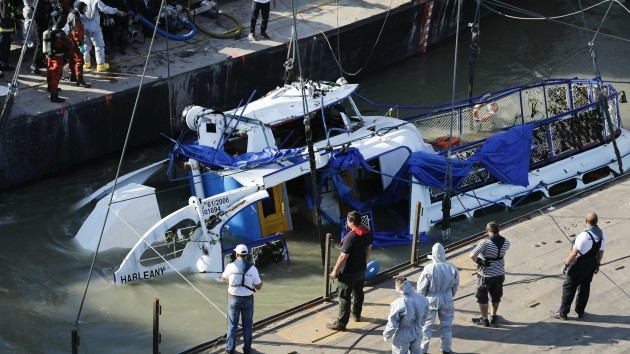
(77, 34)
(488, 254)
(583, 261)
(243, 281)
(57, 45)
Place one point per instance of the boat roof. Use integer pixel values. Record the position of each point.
(285, 103)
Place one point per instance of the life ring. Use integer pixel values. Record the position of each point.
(492, 109)
(372, 270)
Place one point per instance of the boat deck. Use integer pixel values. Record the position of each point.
(539, 243)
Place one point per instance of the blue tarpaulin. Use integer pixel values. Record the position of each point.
(212, 157)
(505, 156)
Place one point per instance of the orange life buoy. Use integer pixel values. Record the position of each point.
(492, 110)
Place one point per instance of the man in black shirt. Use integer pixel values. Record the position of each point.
(349, 271)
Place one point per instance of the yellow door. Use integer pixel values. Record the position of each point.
(347, 177)
(272, 212)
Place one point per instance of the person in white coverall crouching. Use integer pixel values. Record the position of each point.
(438, 282)
(94, 33)
(406, 315)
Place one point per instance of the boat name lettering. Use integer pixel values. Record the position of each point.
(147, 274)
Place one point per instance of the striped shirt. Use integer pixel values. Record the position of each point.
(487, 249)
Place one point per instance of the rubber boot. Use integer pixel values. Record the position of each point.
(82, 83)
(54, 97)
(102, 67)
(73, 76)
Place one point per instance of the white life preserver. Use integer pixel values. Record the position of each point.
(492, 109)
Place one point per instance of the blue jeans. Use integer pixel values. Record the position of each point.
(243, 307)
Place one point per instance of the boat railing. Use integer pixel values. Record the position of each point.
(476, 119)
(579, 124)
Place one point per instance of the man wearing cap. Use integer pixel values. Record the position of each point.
(243, 281)
(350, 271)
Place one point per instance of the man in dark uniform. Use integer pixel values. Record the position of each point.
(349, 271)
(7, 26)
(583, 261)
(121, 25)
(41, 20)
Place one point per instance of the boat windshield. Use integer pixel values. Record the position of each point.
(334, 120)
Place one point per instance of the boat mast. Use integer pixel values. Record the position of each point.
(307, 130)
(473, 51)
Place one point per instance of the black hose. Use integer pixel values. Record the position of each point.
(231, 33)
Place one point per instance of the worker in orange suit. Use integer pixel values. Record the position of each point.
(60, 44)
(77, 33)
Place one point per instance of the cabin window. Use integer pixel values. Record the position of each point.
(236, 145)
(292, 134)
(269, 204)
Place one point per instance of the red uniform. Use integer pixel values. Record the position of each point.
(60, 44)
(77, 33)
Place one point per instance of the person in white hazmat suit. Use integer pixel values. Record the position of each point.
(94, 33)
(406, 315)
(438, 282)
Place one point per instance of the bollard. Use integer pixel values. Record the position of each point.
(327, 267)
(157, 338)
(414, 243)
(75, 341)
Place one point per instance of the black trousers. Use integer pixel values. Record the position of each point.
(5, 47)
(121, 29)
(578, 280)
(349, 286)
(38, 55)
(256, 9)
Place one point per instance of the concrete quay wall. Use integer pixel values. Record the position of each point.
(58, 137)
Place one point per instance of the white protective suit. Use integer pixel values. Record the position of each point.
(93, 31)
(404, 323)
(438, 282)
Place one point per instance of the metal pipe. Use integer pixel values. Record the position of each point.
(414, 242)
(157, 338)
(327, 267)
(75, 341)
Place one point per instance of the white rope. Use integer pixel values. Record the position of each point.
(554, 17)
(536, 16)
(341, 69)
